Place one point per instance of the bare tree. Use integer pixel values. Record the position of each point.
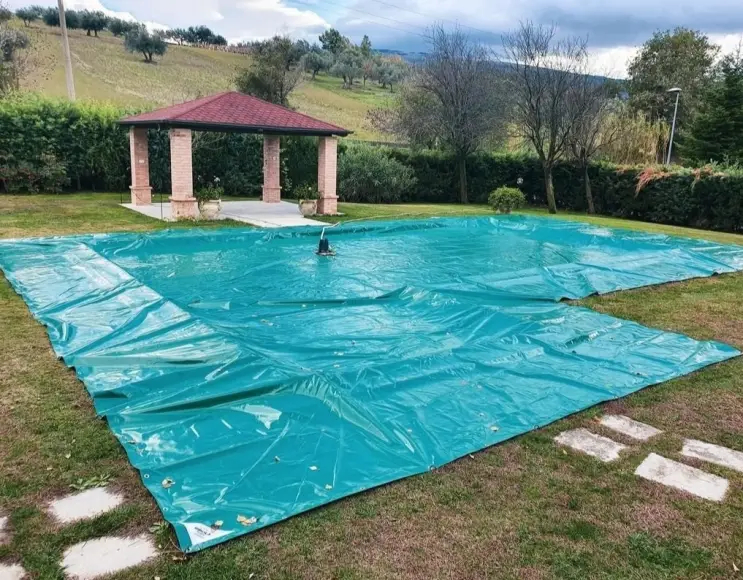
(598, 121)
(544, 75)
(453, 100)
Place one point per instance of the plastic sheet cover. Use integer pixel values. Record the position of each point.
(249, 379)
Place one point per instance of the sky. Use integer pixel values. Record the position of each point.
(614, 28)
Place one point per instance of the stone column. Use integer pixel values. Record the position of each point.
(182, 202)
(327, 164)
(271, 169)
(140, 187)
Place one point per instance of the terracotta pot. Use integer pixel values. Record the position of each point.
(308, 207)
(210, 209)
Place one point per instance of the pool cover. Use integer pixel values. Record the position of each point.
(249, 379)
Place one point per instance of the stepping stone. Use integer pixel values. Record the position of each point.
(84, 505)
(12, 572)
(684, 477)
(629, 427)
(93, 558)
(716, 454)
(583, 440)
(4, 534)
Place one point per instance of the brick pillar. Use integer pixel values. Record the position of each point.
(182, 202)
(271, 169)
(140, 187)
(327, 164)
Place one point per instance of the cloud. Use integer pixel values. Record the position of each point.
(614, 28)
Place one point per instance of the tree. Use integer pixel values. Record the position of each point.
(149, 44)
(390, 72)
(334, 41)
(716, 134)
(12, 43)
(366, 47)
(199, 35)
(599, 119)
(177, 34)
(219, 40)
(317, 60)
(73, 19)
(119, 27)
(453, 100)
(679, 58)
(5, 14)
(28, 15)
(543, 75)
(92, 21)
(274, 72)
(349, 66)
(50, 16)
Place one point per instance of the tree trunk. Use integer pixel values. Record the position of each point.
(463, 179)
(587, 184)
(550, 190)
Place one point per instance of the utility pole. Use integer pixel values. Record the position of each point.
(673, 125)
(66, 50)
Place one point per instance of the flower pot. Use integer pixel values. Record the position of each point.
(308, 207)
(210, 209)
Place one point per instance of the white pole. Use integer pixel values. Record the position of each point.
(673, 128)
(66, 50)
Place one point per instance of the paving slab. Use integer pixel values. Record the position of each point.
(602, 448)
(684, 477)
(85, 505)
(629, 427)
(12, 572)
(4, 534)
(711, 453)
(102, 556)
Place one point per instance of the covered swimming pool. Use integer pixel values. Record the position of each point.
(249, 379)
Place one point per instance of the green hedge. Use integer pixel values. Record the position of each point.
(87, 150)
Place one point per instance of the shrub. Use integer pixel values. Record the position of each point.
(44, 174)
(211, 192)
(149, 44)
(506, 199)
(367, 174)
(306, 192)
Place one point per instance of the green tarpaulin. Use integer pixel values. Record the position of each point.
(250, 380)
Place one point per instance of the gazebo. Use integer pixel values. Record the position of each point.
(235, 112)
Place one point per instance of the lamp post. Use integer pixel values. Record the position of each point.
(673, 125)
(66, 50)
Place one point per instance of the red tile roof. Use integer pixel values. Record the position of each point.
(234, 111)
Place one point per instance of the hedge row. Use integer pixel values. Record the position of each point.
(47, 145)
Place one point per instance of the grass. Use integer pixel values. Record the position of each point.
(104, 71)
(523, 509)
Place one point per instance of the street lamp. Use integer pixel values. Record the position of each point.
(673, 125)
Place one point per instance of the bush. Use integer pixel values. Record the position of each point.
(367, 174)
(45, 174)
(506, 199)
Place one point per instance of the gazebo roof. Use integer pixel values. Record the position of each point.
(236, 112)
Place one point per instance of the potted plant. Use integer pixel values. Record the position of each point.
(307, 195)
(209, 199)
(506, 199)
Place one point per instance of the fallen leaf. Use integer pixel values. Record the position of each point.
(735, 568)
(218, 524)
(246, 521)
(313, 467)
(167, 482)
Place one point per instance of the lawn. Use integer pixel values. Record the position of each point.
(523, 509)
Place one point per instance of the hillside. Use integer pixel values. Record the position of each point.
(103, 70)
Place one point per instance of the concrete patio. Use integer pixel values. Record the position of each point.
(257, 213)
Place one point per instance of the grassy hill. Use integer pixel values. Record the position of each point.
(103, 70)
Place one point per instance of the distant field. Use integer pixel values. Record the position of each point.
(103, 70)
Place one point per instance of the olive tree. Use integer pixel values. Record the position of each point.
(149, 44)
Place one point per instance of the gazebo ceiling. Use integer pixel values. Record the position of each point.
(234, 112)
